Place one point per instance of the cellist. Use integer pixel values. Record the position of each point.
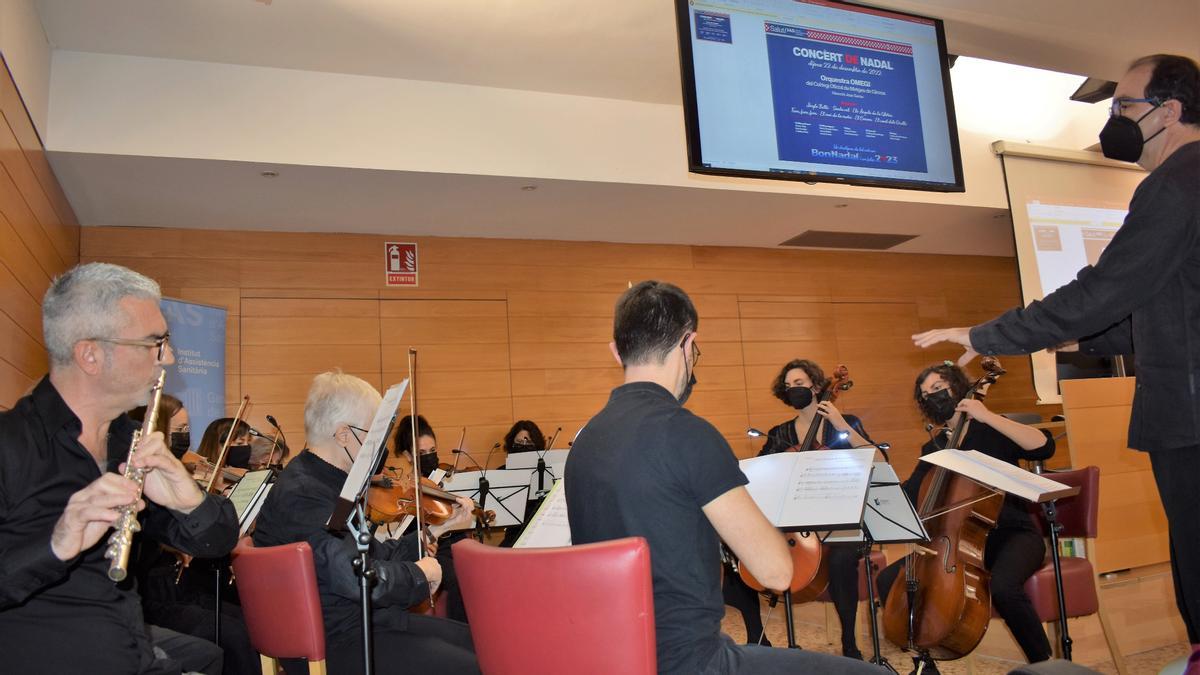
(798, 385)
(1014, 549)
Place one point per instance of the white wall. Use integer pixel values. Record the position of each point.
(122, 105)
(27, 53)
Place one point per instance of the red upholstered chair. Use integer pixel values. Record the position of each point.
(278, 589)
(1078, 516)
(576, 609)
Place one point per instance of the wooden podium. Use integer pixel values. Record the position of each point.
(1133, 527)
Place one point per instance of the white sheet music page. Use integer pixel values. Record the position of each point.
(1000, 475)
(549, 527)
(816, 490)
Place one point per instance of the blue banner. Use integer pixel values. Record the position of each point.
(844, 100)
(198, 376)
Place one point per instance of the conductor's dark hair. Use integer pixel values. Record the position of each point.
(404, 433)
(535, 435)
(651, 319)
(815, 375)
(952, 374)
(1174, 78)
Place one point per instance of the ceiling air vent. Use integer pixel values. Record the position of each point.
(870, 241)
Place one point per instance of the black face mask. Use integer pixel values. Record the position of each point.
(799, 397)
(181, 442)
(939, 406)
(427, 463)
(238, 456)
(523, 446)
(1121, 138)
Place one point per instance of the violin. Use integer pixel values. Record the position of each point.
(810, 567)
(943, 608)
(201, 468)
(390, 499)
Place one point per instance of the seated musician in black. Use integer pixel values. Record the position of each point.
(524, 436)
(645, 466)
(799, 384)
(1015, 549)
(336, 414)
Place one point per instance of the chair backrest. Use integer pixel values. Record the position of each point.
(278, 589)
(575, 609)
(1078, 514)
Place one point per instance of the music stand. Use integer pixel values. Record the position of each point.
(349, 513)
(819, 491)
(507, 488)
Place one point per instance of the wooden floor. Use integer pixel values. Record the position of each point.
(1140, 604)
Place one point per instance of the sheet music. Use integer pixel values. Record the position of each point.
(889, 515)
(819, 490)
(550, 526)
(1000, 475)
(247, 490)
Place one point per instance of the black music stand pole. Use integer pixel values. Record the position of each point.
(360, 527)
(879, 659)
(791, 625)
(480, 526)
(1051, 512)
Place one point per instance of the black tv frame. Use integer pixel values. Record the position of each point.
(691, 116)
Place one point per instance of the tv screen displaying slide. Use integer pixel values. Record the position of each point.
(817, 90)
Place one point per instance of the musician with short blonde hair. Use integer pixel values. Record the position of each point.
(61, 487)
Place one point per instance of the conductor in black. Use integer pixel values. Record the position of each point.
(646, 466)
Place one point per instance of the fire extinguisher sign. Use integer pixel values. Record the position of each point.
(400, 262)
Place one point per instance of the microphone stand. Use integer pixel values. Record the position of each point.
(541, 466)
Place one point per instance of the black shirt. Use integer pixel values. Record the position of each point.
(985, 439)
(783, 436)
(644, 466)
(297, 509)
(69, 617)
(1142, 297)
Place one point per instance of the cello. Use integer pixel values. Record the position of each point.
(810, 568)
(943, 608)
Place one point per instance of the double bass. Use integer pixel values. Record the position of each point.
(943, 607)
(810, 567)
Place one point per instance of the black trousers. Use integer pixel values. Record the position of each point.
(843, 591)
(1177, 472)
(427, 645)
(1012, 555)
(184, 654)
(732, 659)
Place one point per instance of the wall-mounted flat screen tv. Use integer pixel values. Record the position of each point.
(818, 90)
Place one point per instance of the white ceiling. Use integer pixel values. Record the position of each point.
(622, 49)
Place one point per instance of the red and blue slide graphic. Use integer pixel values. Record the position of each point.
(844, 99)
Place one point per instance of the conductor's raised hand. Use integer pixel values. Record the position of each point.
(167, 482)
(90, 513)
(959, 336)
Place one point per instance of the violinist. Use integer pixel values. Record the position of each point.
(1014, 549)
(338, 411)
(427, 462)
(645, 466)
(524, 436)
(799, 385)
(238, 454)
(427, 452)
(186, 608)
(173, 422)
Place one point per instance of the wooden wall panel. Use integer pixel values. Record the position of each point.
(499, 341)
(39, 239)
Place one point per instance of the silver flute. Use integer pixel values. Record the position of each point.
(122, 537)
